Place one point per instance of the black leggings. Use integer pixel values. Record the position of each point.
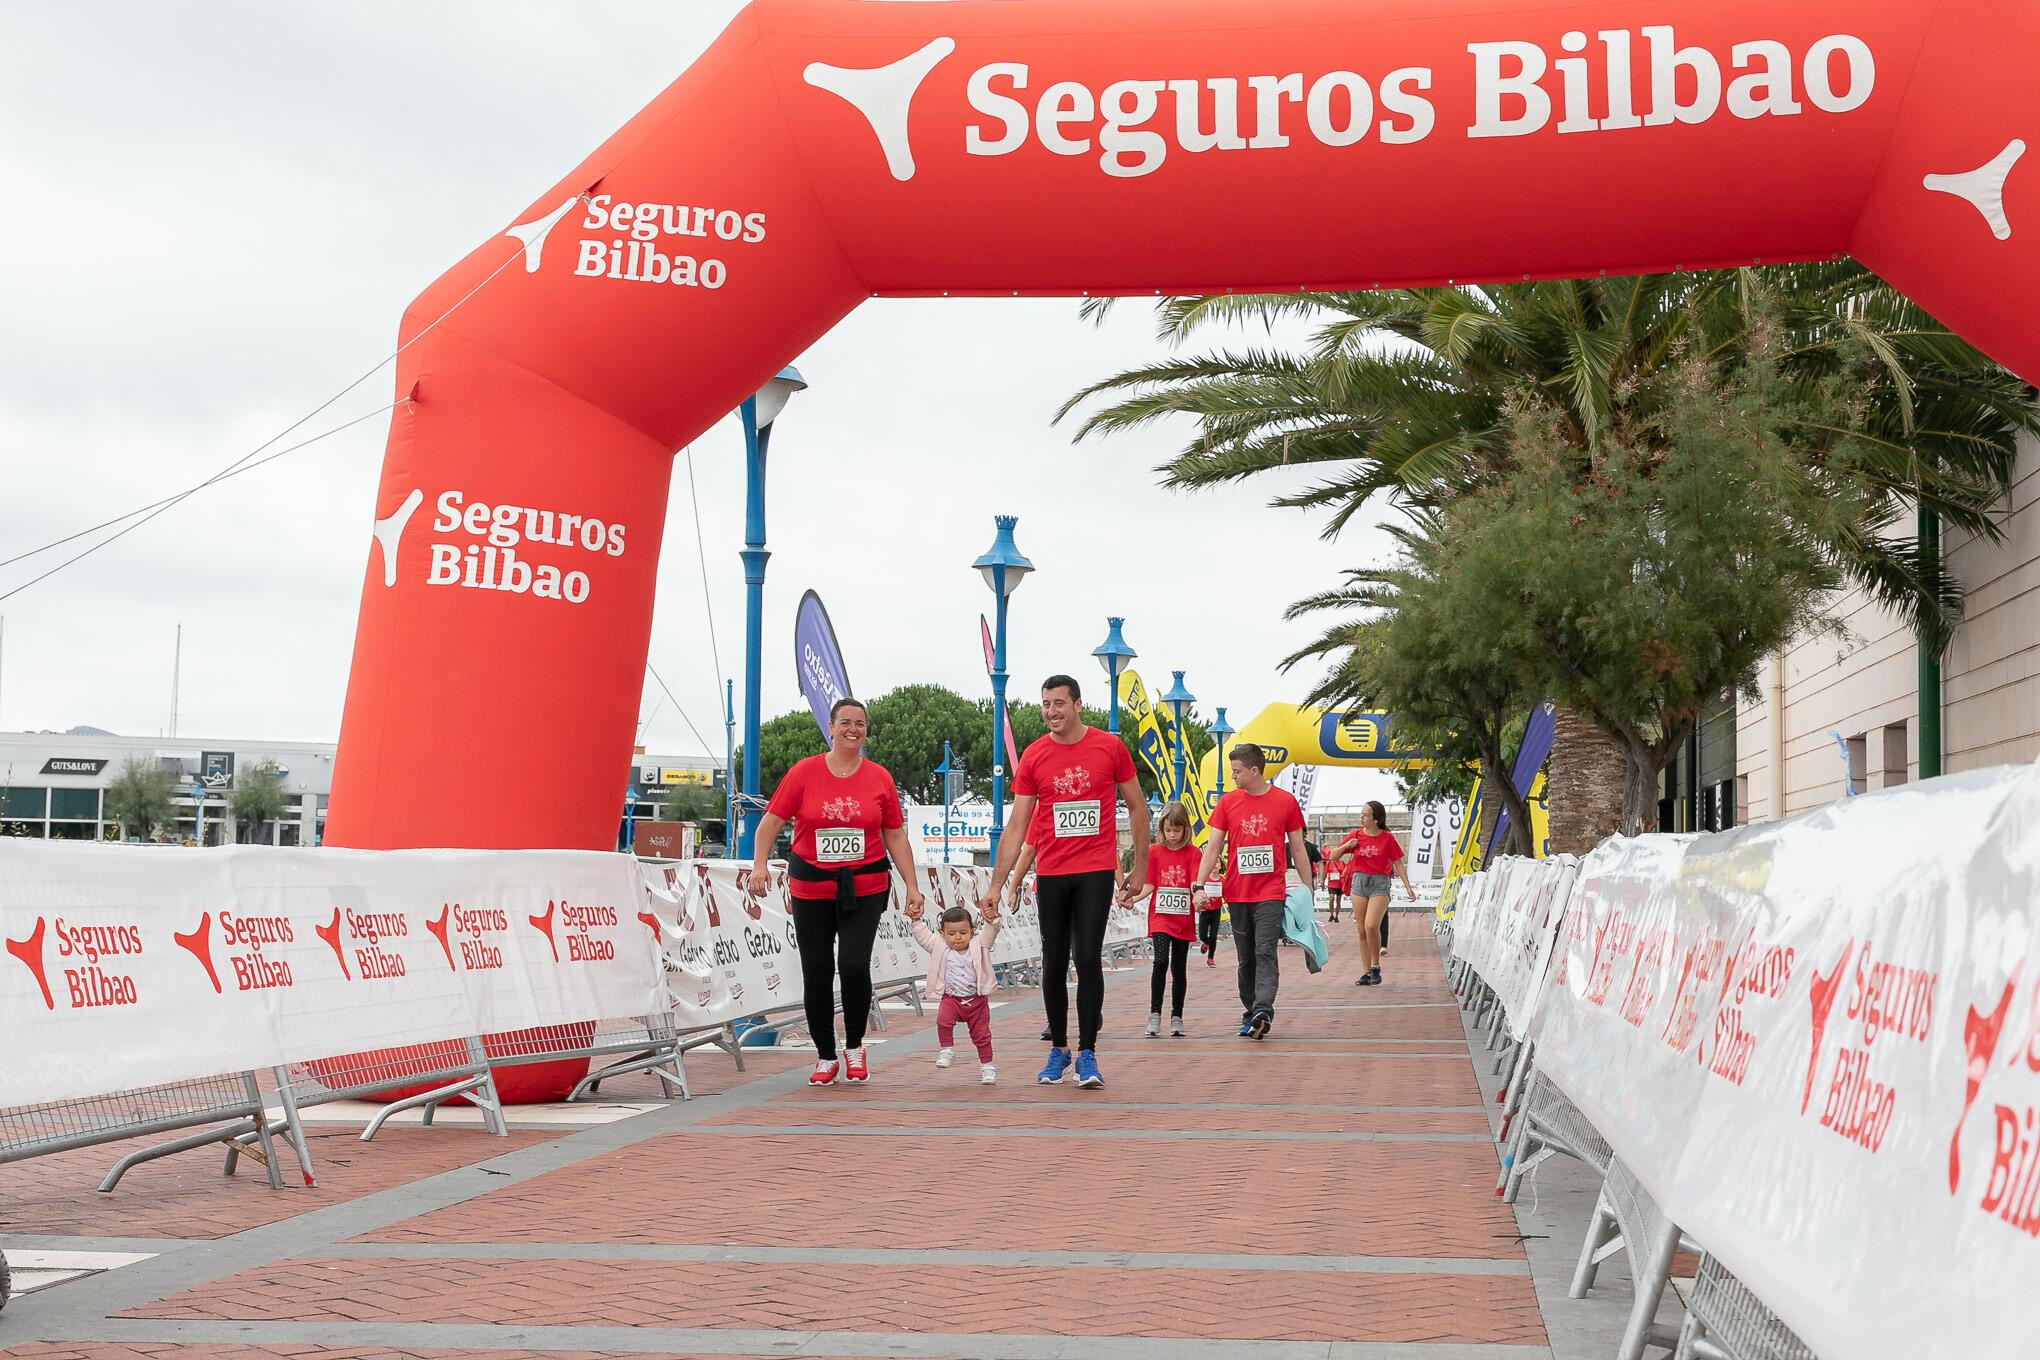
(832, 940)
(1074, 909)
(1207, 931)
(1172, 958)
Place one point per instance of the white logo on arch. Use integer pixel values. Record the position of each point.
(884, 94)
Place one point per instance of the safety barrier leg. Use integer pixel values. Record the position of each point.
(664, 1062)
(1602, 1241)
(1651, 1270)
(219, 1133)
(294, 1128)
(268, 1153)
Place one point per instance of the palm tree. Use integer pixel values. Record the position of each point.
(1406, 393)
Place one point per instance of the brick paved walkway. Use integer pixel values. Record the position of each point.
(1325, 1193)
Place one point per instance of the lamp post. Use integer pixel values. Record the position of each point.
(945, 769)
(1178, 699)
(1002, 567)
(198, 813)
(729, 772)
(1113, 654)
(758, 411)
(1154, 811)
(1221, 730)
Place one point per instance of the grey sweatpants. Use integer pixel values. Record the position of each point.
(1256, 931)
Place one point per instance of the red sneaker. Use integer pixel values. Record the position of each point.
(855, 1068)
(824, 1073)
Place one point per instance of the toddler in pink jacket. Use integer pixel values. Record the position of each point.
(960, 972)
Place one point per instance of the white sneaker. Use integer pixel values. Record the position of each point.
(1176, 1030)
(988, 1075)
(1154, 1028)
(945, 1057)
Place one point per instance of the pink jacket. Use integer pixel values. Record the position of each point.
(980, 954)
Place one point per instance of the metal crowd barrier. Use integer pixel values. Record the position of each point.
(1724, 1318)
(231, 1104)
(1725, 1321)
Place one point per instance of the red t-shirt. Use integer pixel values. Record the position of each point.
(849, 813)
(1257, 827)
(1077, 788)
(1375, 854)
(1335, 874)
(1169, 872)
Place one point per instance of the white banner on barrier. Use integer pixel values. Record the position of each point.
(735, 955)
(1509, 944)
(129, 967)
(1817, 1044)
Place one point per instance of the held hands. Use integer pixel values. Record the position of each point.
(1136, 883)
(917, 905)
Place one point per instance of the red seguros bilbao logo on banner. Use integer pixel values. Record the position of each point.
(369, 940)
(243, 939)
(90, 962)
(2011, 1185)
(478, 931)
(576, 925)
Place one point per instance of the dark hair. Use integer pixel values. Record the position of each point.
(1249, 755)
(1380, 814)
(842, 704)
(1063, 682)
(955, 914)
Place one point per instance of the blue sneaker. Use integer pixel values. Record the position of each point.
(1246, 1027)
(1087, 1070)
(1058, 1063)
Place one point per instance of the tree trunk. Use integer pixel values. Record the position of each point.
(1495, 778)
(1589, 777)
(1490, 813)
(1640, 788)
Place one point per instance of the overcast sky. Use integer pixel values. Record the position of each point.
(217, 213)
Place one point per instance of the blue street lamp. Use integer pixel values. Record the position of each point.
(729, 761)
(1003, 567)
(1221, 730)
(1113, 654)
(758, 412)
(1178, 699)
(1154, 810)
(198, 812)
(945, 769)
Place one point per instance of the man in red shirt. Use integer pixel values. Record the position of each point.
(1264, 827)
(1063, 793)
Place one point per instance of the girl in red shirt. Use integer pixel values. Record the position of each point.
(1171, 864)
(1371, 854)
(847, 823)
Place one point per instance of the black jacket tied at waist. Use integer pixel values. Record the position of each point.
(843, 876)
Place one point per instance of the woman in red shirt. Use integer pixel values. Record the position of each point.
(847, 821)
(1371, 854)
(1171, 863)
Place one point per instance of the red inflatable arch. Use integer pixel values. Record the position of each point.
(826, 151)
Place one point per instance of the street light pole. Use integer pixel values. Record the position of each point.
(1178, 699)
(758, 412)
(198, 813)
(729, 772)
(1113, 654)
(1221, 730)
(1003, 567)
(945, 769)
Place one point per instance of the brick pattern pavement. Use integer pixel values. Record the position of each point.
(1229, 1194)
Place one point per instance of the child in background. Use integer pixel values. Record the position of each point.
(1172, 861)
(960, 972)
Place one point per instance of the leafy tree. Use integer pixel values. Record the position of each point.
(909, 725)
(783, 742)
(139, 798)
(1408, 393)
(1414, 639)
(1641, 592)
(257, 800)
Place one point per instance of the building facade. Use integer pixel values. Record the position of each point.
(53, 784)
(1838, 711)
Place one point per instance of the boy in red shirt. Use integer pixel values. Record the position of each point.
(1264, 827)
